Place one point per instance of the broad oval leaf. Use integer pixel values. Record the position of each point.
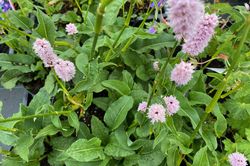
(46, 27)
(86, 150)
(200, 158)
(119, 86)
(117, 111)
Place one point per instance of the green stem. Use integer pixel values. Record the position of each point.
(231, 91)
(141, 25)
(34, 116)
(98, 26)
(159, 75)
(126, 24)
(66, 92)
(2, 128)
(78, 5)
(222, 85)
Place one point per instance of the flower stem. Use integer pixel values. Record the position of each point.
(66, 92)
(98, 23)
(34, 116)
(78, 5)
(126, 24)
(159, 75)
(133, 36)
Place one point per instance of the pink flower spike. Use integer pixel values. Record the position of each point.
(142, 106)
(182, 73)
(196, 44)
(65, 70)
(71, 29)
(237, 159)
(156, 113)
(44, 51)
(184, 17)
(173, 105)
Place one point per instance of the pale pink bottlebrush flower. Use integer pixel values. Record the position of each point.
(205, 31)
(173, 105)
(156, 113)
(182, 73)
(44, 51)
(65, 70)
(237, 159)
(184, 17)
(71, 29)
(142, 106)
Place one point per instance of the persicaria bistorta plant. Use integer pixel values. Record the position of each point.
(119, 82)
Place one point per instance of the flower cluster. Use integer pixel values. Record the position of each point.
(184, 17)
(64, 69)
(189, 22)
(196, 44)
(182, 73)
(237, 159)
(157, 112)
(45, 52)
(71, 29)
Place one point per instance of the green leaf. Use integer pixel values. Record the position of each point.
(112, 11)
(140, 73)
(118, 144)
(22, 146)
(187, 110)
(48, 130)
(74, 121)
(17, 58)
(117, 111)
(102, 102)
(119, 86)
(248, 134)
(173, 156)
(20, 21)
(202, 98)
(26, 6)
(82, 60)
(159, 138)
(98, 129)
(117, 150)
(46, 27)
(86, 150)
(56, 121)
(162, 41)
(8, 138)
(50, 83)
(10, 78)
(201, 158)
(40, 99)
(128, 78)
